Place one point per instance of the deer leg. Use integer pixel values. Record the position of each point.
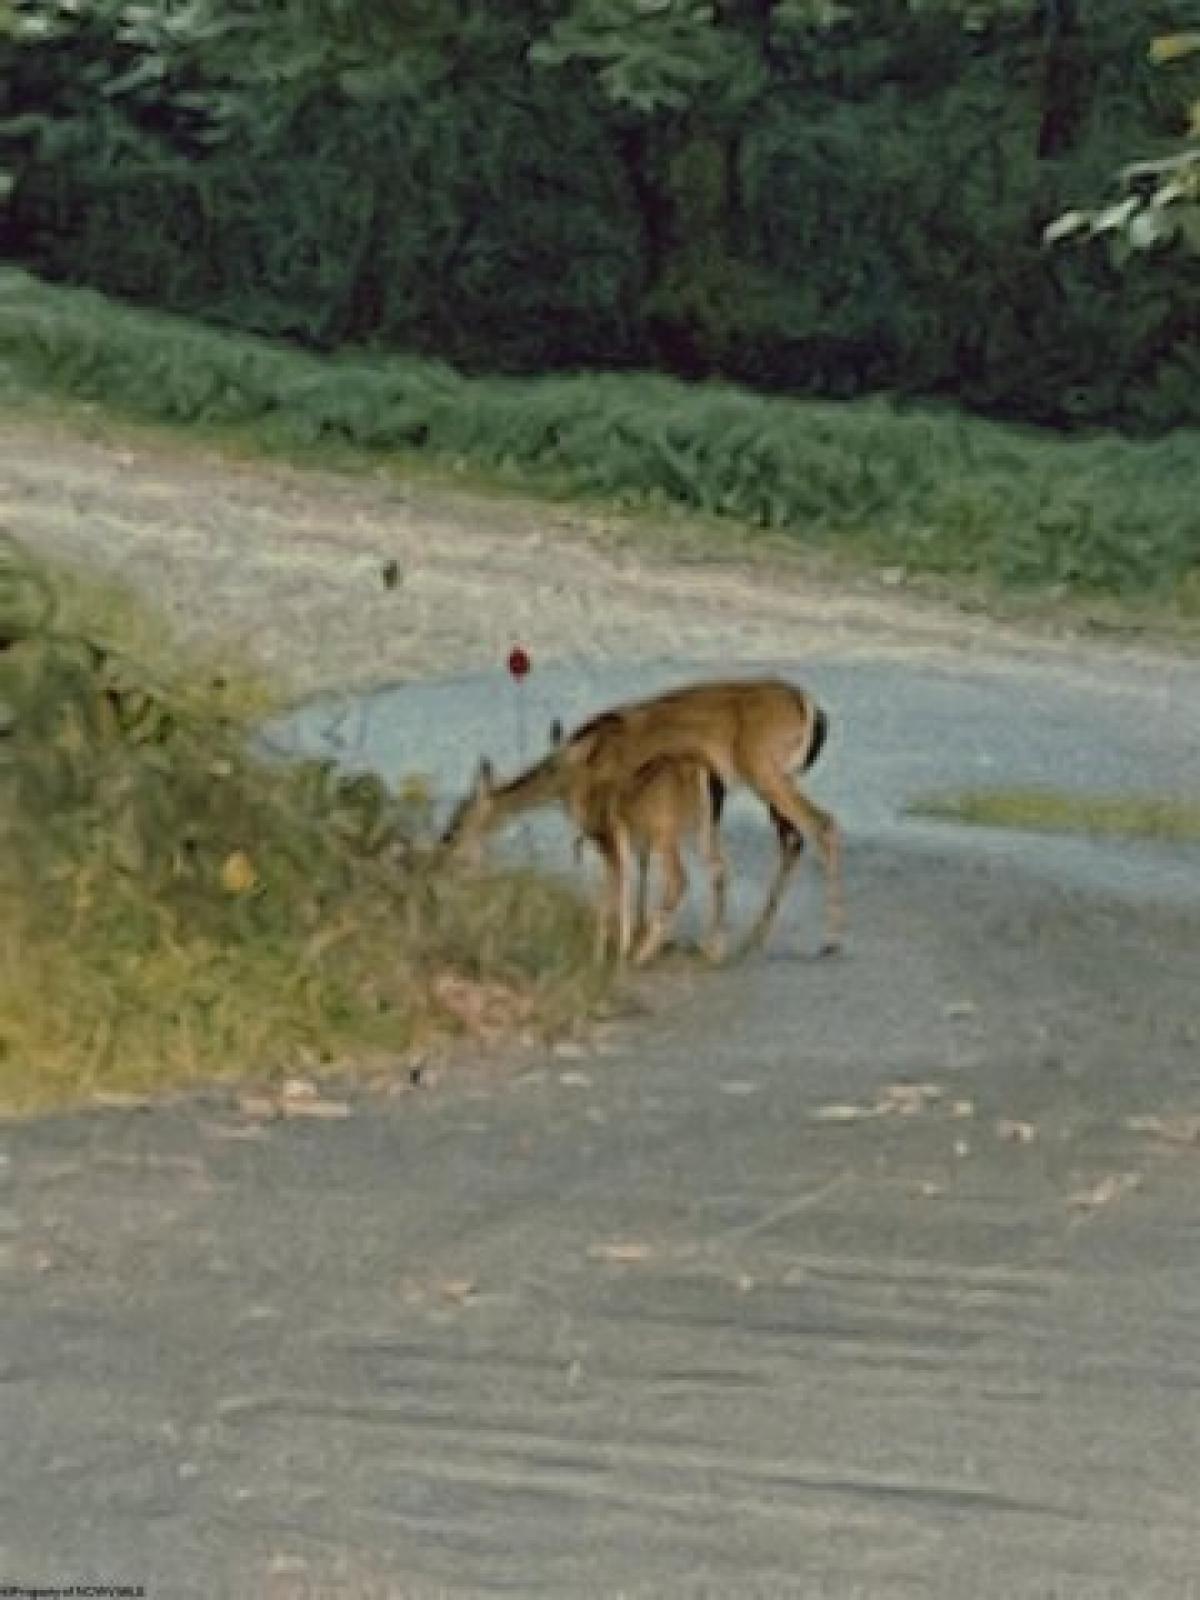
(608, 908)
(791, 849)
(713, 943)
(835, 904)
(716, 799)
(622, 855)
(788, 806)
(674, 889)
(605, 907)
(643, 885)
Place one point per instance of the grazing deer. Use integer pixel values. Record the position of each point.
(756, 732)
(650, 813)
(661, 806)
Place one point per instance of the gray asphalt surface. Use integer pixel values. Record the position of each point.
(640, 1323)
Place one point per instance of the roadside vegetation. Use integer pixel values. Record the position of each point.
(1165, 818)
(926, 491)
(175, 910)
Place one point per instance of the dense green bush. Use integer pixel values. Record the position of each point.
(394, 224)
(860, 212)
(901, 213)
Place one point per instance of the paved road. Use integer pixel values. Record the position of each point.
(899, 730)
(640, 1323)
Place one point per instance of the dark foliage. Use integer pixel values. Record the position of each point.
(863, 215)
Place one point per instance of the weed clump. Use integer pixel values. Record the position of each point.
(175, 909)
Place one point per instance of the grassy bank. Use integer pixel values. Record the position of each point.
(1159, 817)
(926, 491)
(174, 911)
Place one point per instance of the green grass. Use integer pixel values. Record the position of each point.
(1158, 817)
(174, 911)
(940, 496)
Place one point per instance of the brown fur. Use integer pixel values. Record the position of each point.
(651, 813)
(756, 732)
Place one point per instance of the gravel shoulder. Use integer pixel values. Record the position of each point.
(287, 564)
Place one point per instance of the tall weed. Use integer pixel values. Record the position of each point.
(173, 909)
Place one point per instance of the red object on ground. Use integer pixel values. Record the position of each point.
(518, 661)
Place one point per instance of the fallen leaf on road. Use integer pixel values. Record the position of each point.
(842, 1113)
(304, 1101)
(331, 1110)
(907, 1099)
(457, 1289)
(1105, 1192)
(1183, 1128)
(257, 1105)
(286, 1564)
(620, 1251)
(1014, 1132)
